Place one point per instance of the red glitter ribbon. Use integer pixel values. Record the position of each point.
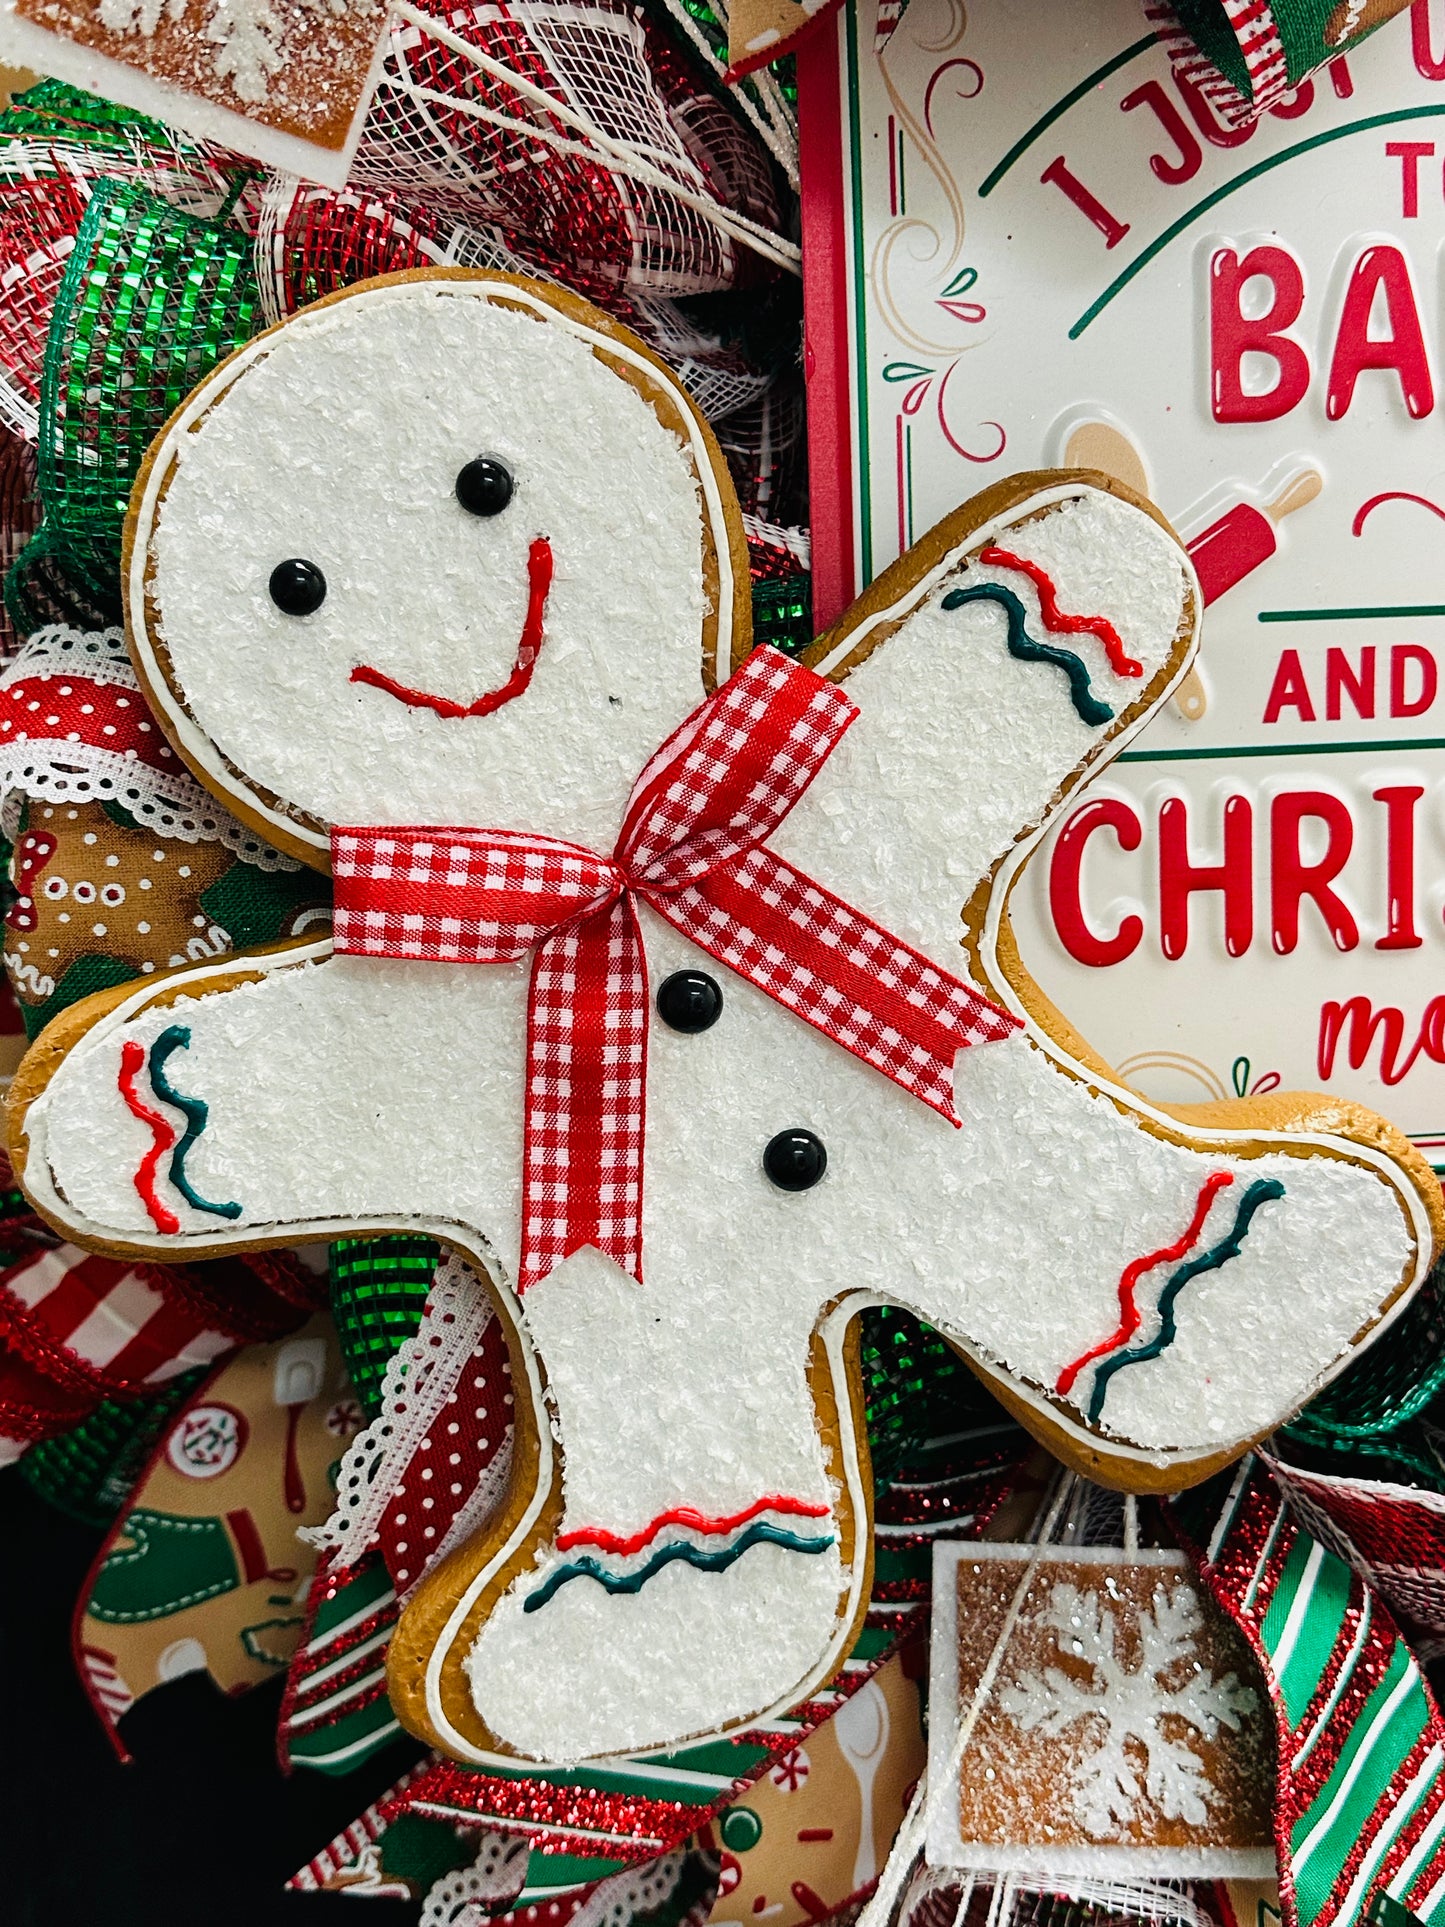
(693, 847)
(1359, 1811)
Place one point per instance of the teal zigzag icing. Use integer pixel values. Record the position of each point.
(1022, 646)
(589, 1568)
(195, 1111)
(1260, 1192)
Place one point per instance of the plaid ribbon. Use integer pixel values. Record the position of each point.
(692, 846)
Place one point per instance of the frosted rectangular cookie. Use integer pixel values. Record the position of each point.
(286, 82)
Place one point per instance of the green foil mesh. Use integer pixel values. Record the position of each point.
(52, 108)
(1396, 1378)
(151, 300)
(1410, 1456)
(90, 1472)
(38, 592)
(914, 1387)
(378, 1289)
(783, 613)
(716, 36)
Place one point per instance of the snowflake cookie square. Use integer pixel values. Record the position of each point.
(286, 82)
(1126, 1731)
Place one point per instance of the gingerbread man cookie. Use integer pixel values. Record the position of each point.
(651, 993)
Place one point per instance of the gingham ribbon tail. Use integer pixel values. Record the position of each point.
(693, 846)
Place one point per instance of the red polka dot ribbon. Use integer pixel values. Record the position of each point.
(693, 848)
(75, 709)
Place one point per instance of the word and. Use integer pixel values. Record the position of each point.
(1401, 682)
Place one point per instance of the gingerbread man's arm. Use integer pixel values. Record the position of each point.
(290, 1096)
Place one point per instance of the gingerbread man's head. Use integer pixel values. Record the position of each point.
(389, 550)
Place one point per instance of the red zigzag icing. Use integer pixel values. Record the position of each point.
(132, 1060)
(1120, 661)
(1135, 1270)
(687, 1515)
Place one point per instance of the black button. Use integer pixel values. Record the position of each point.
(795, 1160)
(484, 487)
(298, 588)
(689, 1001)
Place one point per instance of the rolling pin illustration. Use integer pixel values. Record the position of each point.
(300, 1371)
(1104, 445)
(1245, 536)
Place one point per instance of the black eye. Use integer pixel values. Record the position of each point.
(484, 487)
(689, 1001)
(795, 1160)
(298, 588)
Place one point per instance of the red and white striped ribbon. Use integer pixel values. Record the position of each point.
(693, 847)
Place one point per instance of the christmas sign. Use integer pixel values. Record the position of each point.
(1029, 247)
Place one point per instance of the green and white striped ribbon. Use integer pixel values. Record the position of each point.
(1360, 1793)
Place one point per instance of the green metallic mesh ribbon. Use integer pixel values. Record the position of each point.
(378, 1289)
(53, 109)
(1378, 1411)
(912, 1386)
(38, 592)
(714, 32)
(1414, 1455)
(151, 300)
(88, 1472)
(783, 613)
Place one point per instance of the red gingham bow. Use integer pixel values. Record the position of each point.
(692, 846)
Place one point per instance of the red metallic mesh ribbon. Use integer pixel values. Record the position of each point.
(692, 846)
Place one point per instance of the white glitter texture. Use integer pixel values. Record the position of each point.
(248, 35)
(961, 745)
(687, 1653)
(382, 1090)
(343, 447)
(1149, 1705)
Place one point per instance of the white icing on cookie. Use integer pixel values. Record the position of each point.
(341, 444)
(347, 1092)
(961, 744)
(753, 1631)
(1011, 1232)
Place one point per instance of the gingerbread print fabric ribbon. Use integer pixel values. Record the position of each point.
(693, 847)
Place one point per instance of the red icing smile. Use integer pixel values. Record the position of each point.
(539, 577)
